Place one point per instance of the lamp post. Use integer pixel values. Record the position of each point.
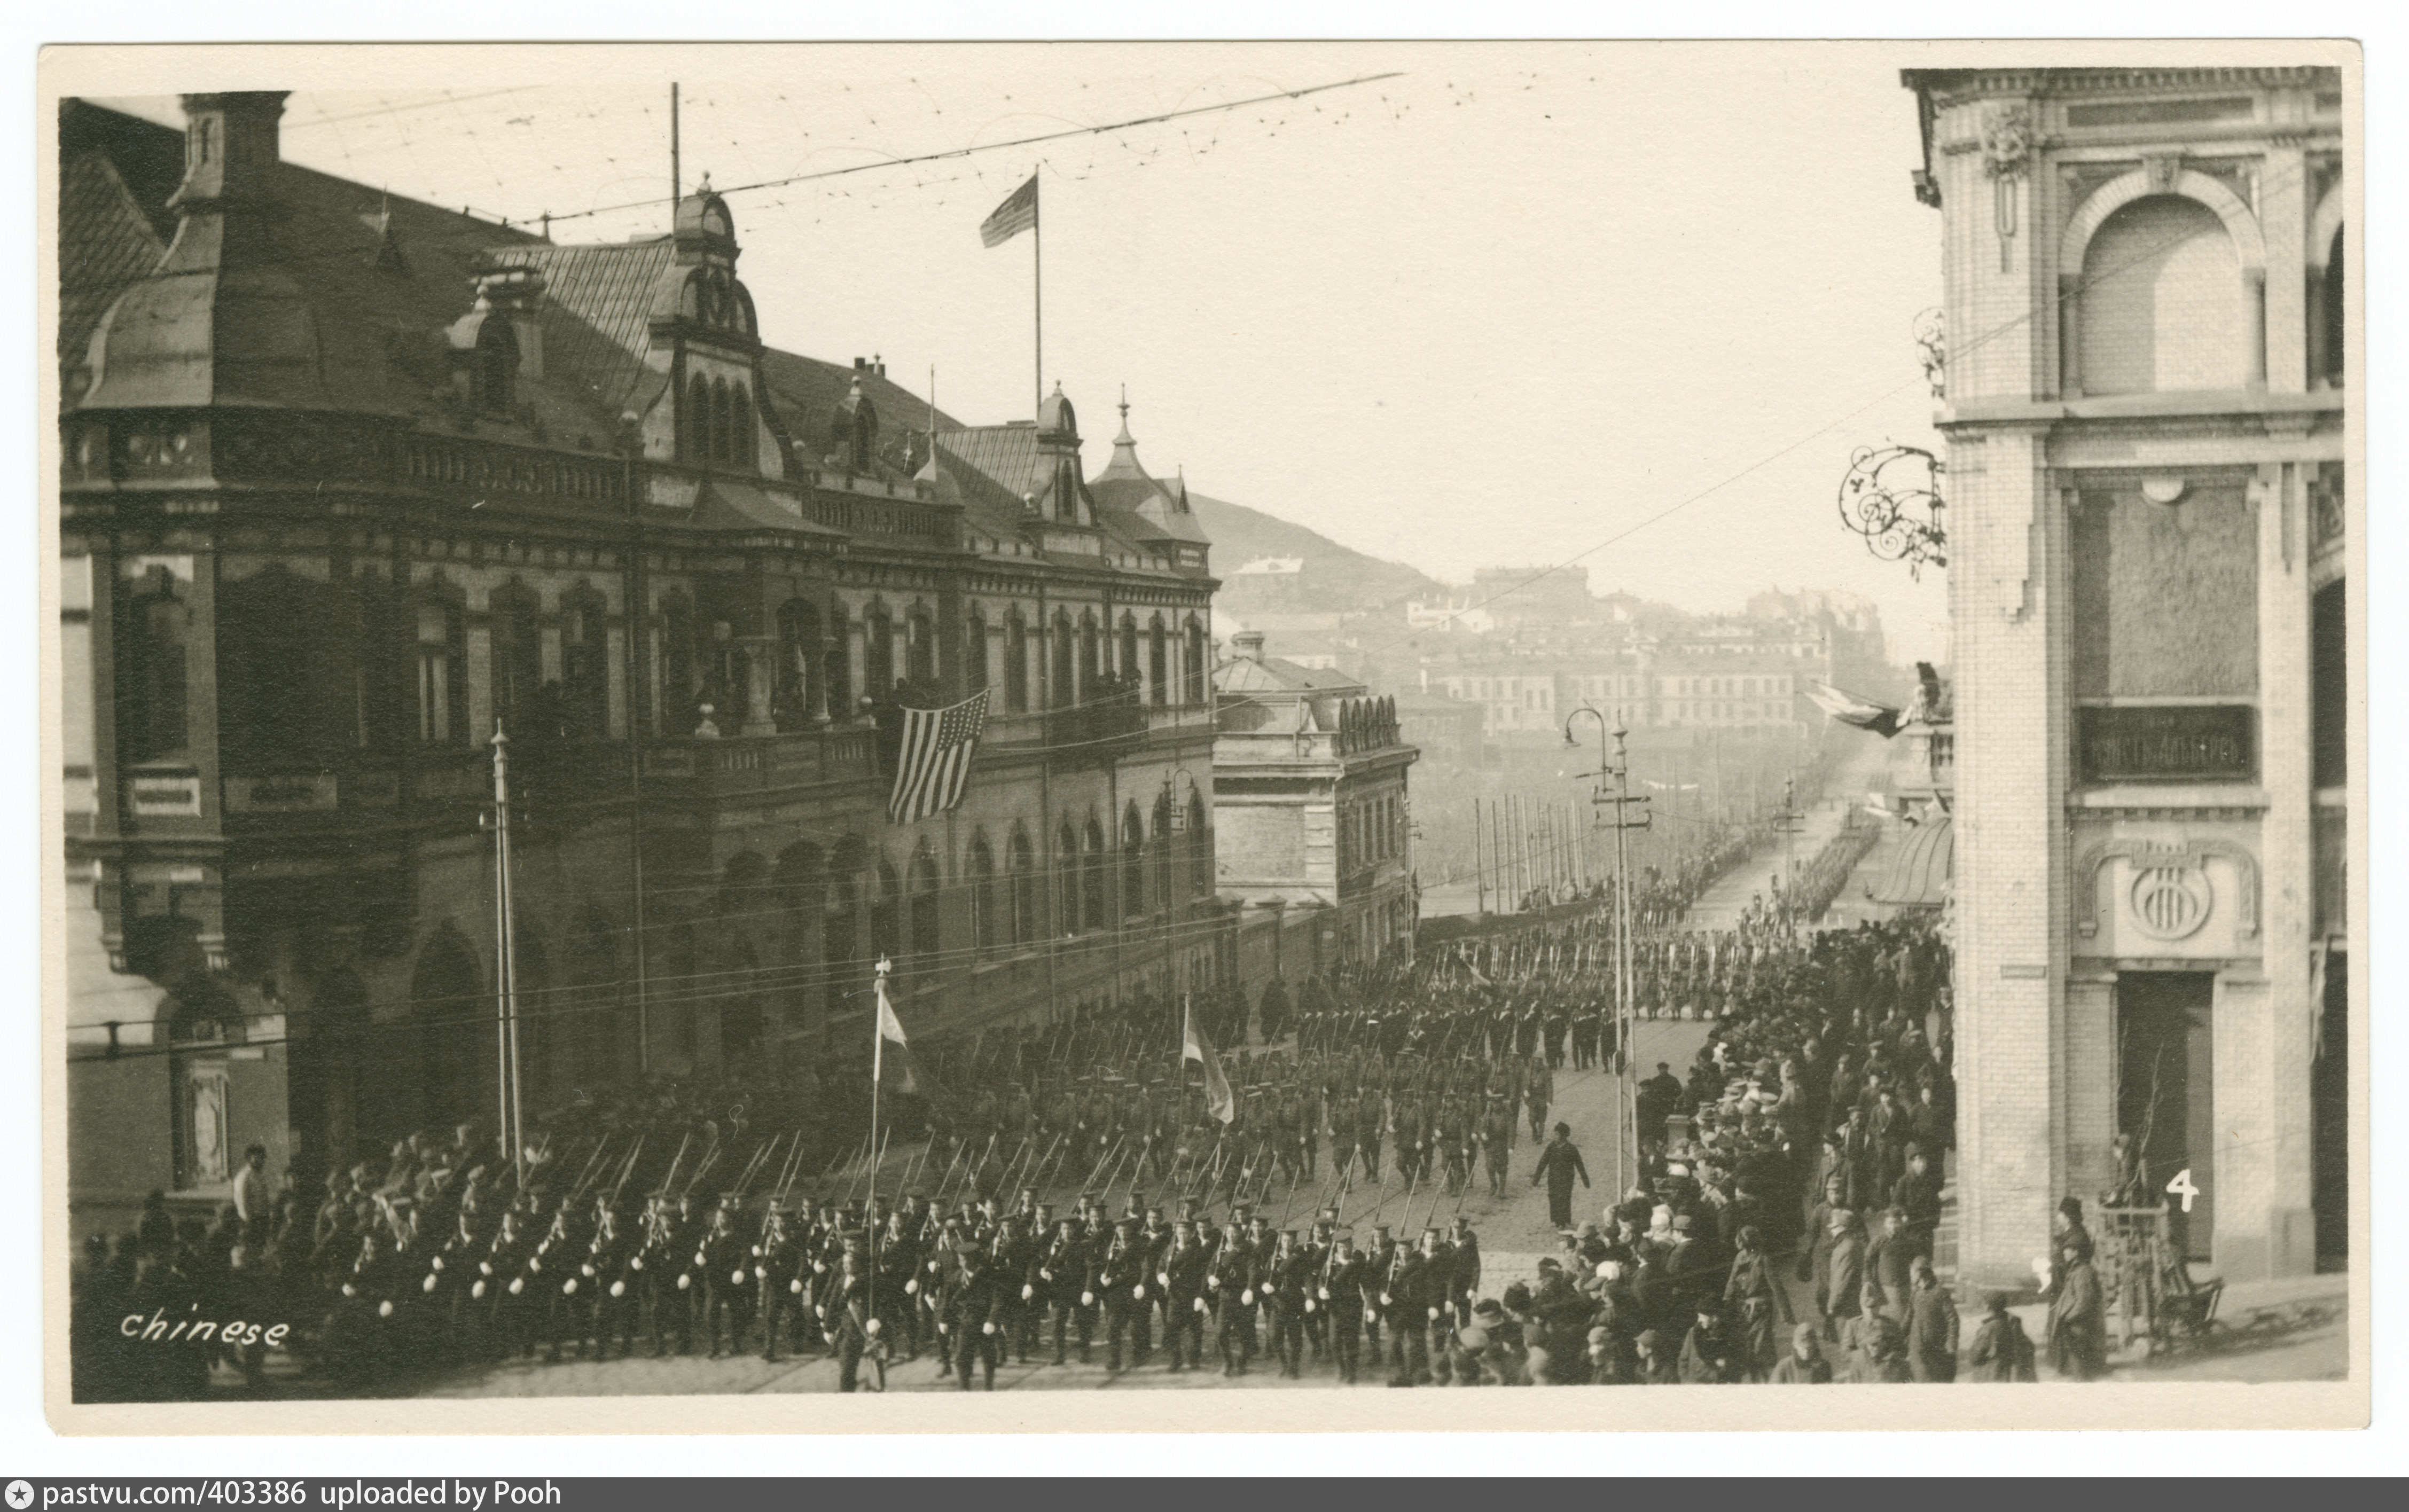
(1615, 763)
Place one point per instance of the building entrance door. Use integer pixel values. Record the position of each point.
(2165, 1083)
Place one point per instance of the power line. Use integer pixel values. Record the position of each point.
(997, 147)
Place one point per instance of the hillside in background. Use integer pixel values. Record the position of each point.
(1337, 579)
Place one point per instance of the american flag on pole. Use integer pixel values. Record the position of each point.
(935, 764)
(1010, 218)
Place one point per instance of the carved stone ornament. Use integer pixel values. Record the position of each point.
(2171, 902)
(2159, 171)
(2007, 140)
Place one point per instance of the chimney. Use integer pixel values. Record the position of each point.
(861, 365)
(230, 149)
(1249, 644)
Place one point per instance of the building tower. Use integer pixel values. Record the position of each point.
(2145, 415)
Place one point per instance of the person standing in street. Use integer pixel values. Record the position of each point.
(1559, 1162)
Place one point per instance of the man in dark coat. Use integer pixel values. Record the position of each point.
(1560, 1161)
(1931, 1327)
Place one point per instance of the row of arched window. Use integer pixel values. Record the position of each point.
(837, 912)
(306, 666)
(715, 422)
(1370, 830)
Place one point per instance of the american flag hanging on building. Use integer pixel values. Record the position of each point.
(934, 766)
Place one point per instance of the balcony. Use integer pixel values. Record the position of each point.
(704, 770)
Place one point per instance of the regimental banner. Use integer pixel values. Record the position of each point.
(2195, 744)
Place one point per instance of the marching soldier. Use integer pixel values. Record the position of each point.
(1408, 1342)
(975, 1314)
(726, 1262)
(1464, 1270)
(1343, 1295)
(1231, 1283)
(616, 1257)
(1498, 1141)
(1066, 1286)
(1289, 1282)
(777, 1275)
(1431, 1317)
(1120, 1278)
(851, 1327)
(1182, 1276)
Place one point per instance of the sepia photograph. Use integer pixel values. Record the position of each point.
(1128, 718)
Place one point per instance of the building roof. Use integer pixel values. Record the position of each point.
(1135, 501)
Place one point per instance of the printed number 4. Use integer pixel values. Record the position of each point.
(2182, 1187)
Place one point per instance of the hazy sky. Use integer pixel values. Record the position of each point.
(1497, 310)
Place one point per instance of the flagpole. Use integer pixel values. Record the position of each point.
(1038, 281)
(877, 1065)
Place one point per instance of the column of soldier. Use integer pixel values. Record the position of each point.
(448, 1256)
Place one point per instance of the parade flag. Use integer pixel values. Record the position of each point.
(1851, 710)
(892, 1048)
(1195, 1046)
(933, 764)
(1010, 218)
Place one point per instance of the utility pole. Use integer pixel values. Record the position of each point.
(1479, 880)
(506, 1019)
(1616, 764)
(1793, 823)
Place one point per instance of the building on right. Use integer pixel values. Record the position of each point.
(2147, 500)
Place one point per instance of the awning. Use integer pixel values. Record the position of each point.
(1919, 874)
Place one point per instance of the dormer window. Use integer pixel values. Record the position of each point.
(493, 376)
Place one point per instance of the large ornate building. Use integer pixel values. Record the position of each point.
(1309, 788)
(2147, 508)
(352, 482)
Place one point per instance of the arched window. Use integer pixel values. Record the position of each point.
(493, 379)
(974, 652)
(886, 915)
(2162, 302)
(1015, 664)
(800, 886)
(152, 674)
(926, 934)
(836, 661)
(1091, 663)
(1128, 669)
(695, 443)
(877, 652)
(840, 943)
(920, 648)
(586, 666)
(1133, 864)
(985, 921)
(1166, 864)
(1027, 920)
(517, 659)
(1066, 876)
(797, 676)
(742, 447)
(2333, 314)
(1062, 694)
(680, 670)
(290, 669)
(1192, 688)
(440, 695)
(1200, 845)
(723, 418)
(1096, 907)
(1158, 663)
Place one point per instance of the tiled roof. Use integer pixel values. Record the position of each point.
(1277, 674)
(597, 303)
(105, 243)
